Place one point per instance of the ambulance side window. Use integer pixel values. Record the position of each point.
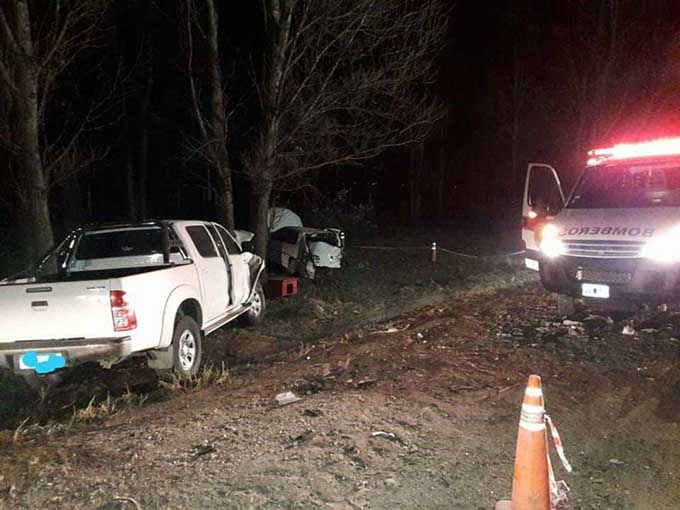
(544, 193)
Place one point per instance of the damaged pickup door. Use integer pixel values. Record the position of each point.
(107, 293)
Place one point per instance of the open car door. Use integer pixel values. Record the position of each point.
(543, 199)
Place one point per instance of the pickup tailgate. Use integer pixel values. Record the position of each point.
(55, 311)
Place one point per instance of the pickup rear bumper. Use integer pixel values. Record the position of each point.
(76, 351)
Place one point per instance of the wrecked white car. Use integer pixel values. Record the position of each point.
(302, 250)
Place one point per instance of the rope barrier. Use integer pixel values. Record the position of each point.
(438, 248)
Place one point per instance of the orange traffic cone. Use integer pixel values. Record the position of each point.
(530, 483)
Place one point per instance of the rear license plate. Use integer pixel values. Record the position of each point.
(595, 291)
(42, 363)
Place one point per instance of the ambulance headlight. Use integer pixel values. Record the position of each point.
(664, 247)
(551, 245)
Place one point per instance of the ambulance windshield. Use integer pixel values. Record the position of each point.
(628, 186)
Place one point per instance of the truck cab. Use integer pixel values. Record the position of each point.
(615, 239)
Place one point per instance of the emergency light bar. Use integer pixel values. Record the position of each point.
(663, 147)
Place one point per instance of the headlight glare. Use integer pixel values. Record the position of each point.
(663, 247)
(551, 245)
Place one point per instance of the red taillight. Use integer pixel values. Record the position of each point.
(124, 318)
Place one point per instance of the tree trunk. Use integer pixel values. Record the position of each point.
(30, 161)
(262, 171)
(218, 121)
(261, 198)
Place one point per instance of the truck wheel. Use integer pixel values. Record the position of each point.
(187, 347)
(566, 305)
(257, 308)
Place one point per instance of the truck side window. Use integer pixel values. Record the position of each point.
(218, 241)
(202, 241)
(232, 246)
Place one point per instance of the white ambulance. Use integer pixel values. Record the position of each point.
(615, 239)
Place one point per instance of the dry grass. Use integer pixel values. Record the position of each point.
(209, 376)
(107, 408)
(95, 411)
(92, 412)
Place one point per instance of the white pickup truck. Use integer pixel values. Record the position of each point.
(110, 292)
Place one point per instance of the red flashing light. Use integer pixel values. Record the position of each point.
(662, 147)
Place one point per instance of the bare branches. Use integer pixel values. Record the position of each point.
(353, 82)
(190, 69)
(210, 111)
(37, 48)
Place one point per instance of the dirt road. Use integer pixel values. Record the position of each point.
(417, 412)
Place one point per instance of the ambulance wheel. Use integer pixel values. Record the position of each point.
(566, 305)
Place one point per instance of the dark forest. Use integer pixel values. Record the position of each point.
(150, 109)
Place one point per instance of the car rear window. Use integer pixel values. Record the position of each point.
(122, 243)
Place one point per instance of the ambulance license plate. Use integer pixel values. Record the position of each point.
(595, 291)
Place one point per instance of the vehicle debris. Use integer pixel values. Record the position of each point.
(390, 436)
(287, 397)
(628, 330)
(294, 442)
(199, 450)
(312, 413)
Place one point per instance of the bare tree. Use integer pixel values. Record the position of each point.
(136, 48)
(342, 82)
(35, 52)
(210, 114)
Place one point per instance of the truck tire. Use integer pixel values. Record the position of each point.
(566, 305)
(258, 306)
(187, 348)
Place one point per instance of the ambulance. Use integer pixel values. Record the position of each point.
(615, 239)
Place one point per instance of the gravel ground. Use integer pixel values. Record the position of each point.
(418, 411)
